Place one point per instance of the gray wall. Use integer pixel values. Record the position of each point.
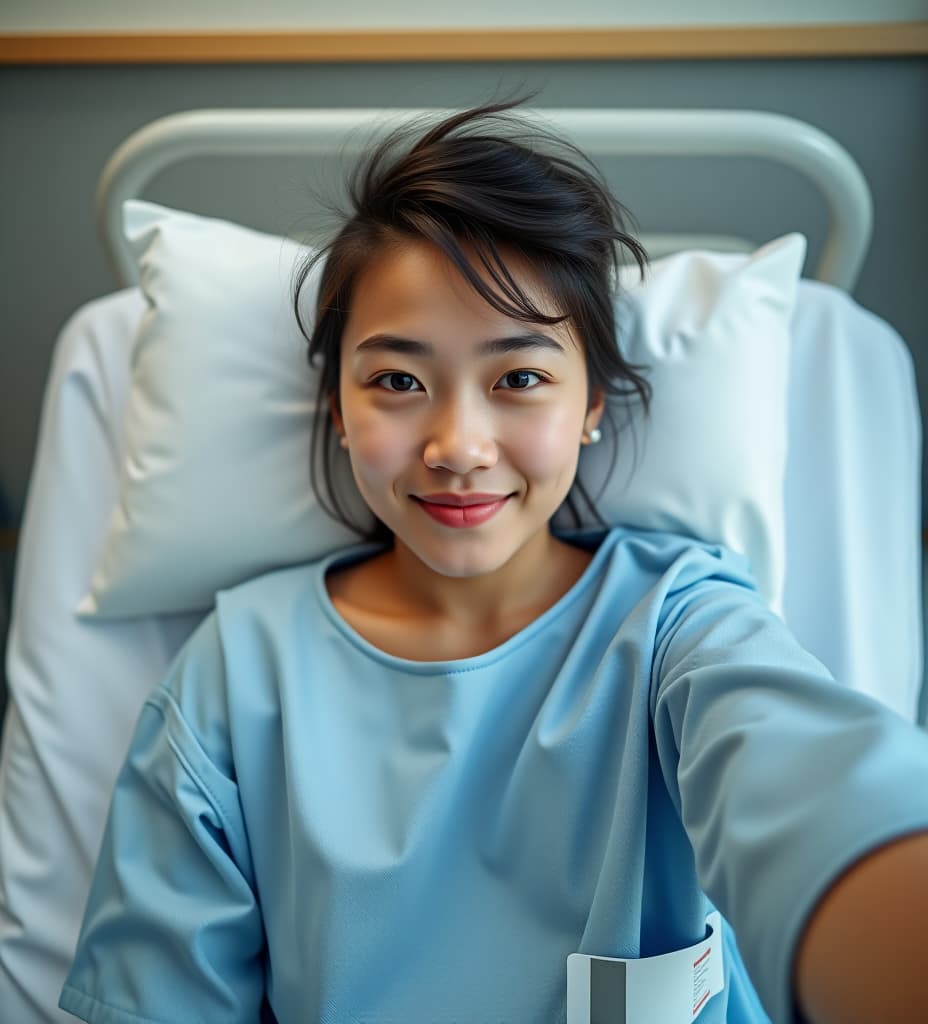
(58, 125)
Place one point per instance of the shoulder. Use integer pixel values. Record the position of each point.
(269, 590)
(257, 641)
(237, 623)
(709, 615)
(268, 599)
(672, 562)
(647, 585)
(698, 588)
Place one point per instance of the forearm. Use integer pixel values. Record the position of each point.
(861, 955)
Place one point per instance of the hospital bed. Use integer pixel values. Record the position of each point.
(850, 498)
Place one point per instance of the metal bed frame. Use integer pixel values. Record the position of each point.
(684, 133)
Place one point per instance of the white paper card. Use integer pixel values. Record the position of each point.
(672, 988)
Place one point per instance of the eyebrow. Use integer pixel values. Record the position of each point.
(490, 347)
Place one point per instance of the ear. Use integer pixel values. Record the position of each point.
(595, 410)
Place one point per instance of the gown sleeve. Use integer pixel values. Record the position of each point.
(172, 929)
(782, 777)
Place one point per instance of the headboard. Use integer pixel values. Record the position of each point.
(729, 133)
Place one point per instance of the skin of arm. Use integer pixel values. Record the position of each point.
(861, 955)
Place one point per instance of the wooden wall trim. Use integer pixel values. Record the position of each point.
(894, 39)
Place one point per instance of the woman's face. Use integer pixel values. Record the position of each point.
(463, 425)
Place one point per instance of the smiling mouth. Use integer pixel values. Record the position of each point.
(459, 511)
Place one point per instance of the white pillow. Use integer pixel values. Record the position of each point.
(713, 331)
(215, 483)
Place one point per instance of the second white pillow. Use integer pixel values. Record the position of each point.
(713, 330)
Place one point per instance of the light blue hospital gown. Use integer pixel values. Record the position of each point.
(360, 839)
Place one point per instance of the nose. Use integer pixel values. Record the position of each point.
(461, 439)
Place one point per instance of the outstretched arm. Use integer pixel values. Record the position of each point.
(861, 957)
(806, 807)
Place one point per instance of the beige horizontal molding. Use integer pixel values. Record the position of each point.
(893, 39)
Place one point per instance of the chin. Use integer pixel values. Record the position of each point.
(461, 566)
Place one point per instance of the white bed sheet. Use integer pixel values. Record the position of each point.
(76, 686)
(853, 590)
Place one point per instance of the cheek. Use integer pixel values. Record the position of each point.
(379, 448)
(547, 445)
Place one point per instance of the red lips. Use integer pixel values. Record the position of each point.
(461, 510)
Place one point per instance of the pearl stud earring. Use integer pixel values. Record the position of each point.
(593, 436)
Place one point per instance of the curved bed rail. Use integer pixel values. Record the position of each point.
(266, 132)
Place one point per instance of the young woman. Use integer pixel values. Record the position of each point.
(404, 783)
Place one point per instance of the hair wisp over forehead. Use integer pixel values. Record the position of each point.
(485, 178)
(477, 184)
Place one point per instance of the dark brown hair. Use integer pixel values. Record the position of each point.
(479, 180)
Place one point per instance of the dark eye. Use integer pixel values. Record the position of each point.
(397, 382)
(519, 380)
